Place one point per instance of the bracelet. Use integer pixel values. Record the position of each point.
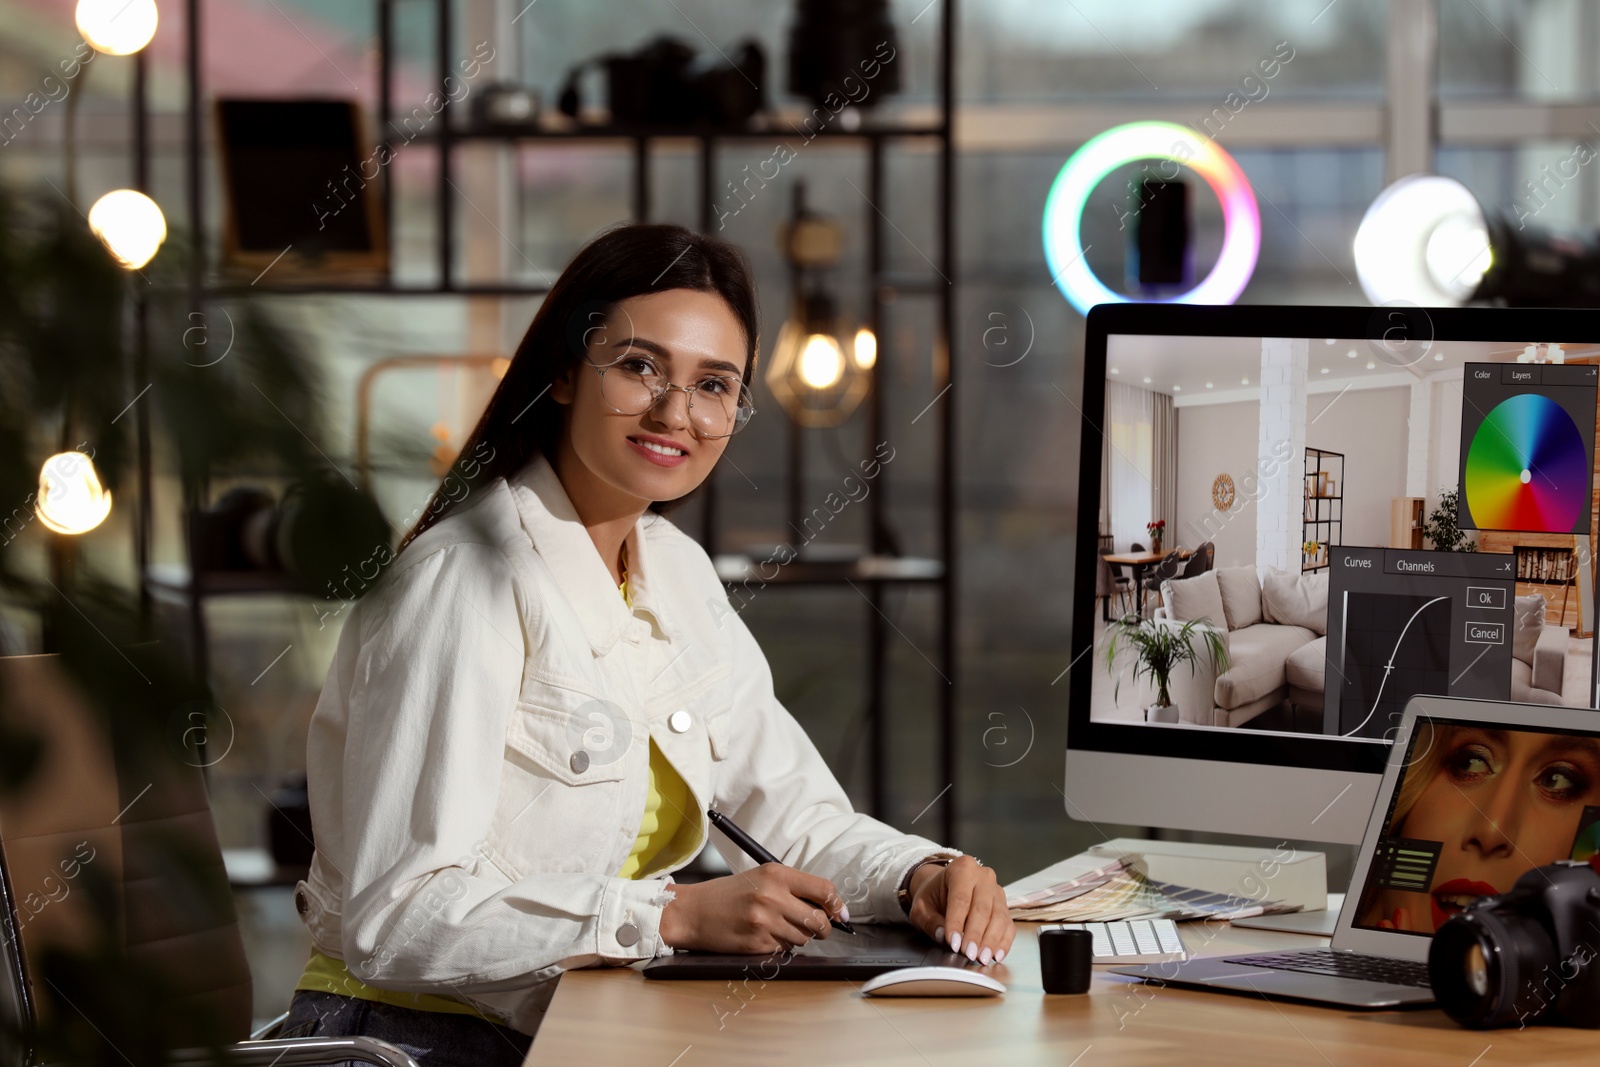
(903, 894)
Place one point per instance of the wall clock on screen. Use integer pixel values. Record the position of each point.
(1222, 492)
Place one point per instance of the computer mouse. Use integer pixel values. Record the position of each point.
(932, 982)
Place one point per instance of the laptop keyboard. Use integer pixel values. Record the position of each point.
(1343, 965)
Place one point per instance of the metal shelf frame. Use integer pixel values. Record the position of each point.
(881, 283)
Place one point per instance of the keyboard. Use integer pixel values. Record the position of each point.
(1382, 969)
(1133, 940)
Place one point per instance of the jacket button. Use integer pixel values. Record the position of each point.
(300, 904)
(627, 935)
(678, 721)
(579, 761)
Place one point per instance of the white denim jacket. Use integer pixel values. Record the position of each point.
(478, 759)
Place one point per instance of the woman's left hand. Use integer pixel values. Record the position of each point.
(962, 905)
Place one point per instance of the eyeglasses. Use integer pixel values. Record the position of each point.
(632, 385)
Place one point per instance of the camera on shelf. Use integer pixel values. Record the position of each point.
(666, 84)
(1524, 956)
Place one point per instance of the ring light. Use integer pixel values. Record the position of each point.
(1063, 211)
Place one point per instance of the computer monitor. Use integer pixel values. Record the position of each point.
(1309, 466)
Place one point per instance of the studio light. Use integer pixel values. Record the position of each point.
(71, 498)
(1427, 240)
(130, 225)
(1176, 147)
(117, 27)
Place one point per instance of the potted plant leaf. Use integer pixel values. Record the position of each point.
(1441, 528)
(1159, 647)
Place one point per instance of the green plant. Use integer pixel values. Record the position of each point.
(1160, 647)
(66, 357)
(1440, 526)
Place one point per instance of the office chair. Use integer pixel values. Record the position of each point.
(81, 810)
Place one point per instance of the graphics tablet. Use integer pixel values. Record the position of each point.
(872, 951)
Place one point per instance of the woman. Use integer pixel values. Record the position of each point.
(527, 719)
(1498, 802)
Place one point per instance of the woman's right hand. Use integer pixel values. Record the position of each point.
(754, 912)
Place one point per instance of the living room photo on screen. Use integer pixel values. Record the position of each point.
(1297, 535)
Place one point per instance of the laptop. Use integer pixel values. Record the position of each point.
(871, 951)
(1475, 794)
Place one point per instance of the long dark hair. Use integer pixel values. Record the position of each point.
(522, 420)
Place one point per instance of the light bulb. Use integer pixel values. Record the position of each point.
(866, 348)
(1458, 254)
(71, 498)
(117, 27)
(130, 225)
(821, 362)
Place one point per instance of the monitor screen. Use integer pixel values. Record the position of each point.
(1292, 520)
(1477, 806)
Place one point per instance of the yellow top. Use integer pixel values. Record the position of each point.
(666, 834)
(329, 975)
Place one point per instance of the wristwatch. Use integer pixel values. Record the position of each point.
(903, 894)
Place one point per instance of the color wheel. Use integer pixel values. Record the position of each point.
(1527, 468)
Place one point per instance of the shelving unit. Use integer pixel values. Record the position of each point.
(1405, 522)
(1541, 561)
(1322, 518)
(872, 575)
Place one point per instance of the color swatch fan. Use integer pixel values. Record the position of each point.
(1527, 468)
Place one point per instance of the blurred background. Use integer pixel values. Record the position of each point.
(458, 153)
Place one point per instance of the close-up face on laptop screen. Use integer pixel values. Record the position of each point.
(1297, 535)
(1477, 806)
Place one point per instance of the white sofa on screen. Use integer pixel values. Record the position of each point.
(1275, 637)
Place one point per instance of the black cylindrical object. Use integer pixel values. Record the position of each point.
(1535, 267)
(832, 40)
(1066, 960)
(1162, 234)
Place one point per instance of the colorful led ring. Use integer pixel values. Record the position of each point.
(1063, 211)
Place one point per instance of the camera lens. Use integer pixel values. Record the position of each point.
(1477, 971)
(1485, 966)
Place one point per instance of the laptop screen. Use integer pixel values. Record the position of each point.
(1476, 806)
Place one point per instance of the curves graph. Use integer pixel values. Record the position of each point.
(1527, 468)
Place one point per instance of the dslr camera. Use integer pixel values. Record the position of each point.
(1525, 956)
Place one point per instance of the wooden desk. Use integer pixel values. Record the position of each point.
(616, 1016)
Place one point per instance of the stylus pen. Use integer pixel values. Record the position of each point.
(750, 847)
